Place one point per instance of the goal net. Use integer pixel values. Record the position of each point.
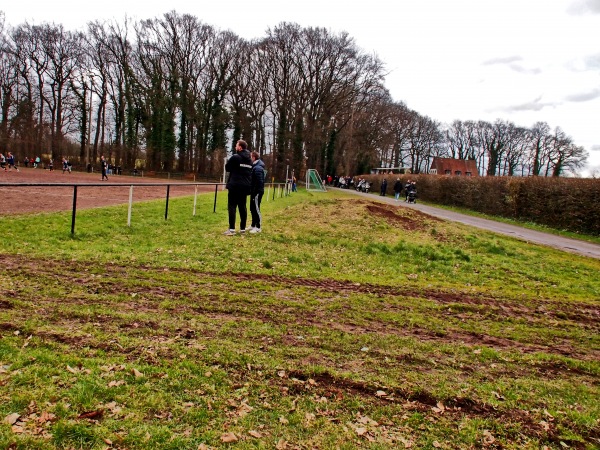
(314, 182)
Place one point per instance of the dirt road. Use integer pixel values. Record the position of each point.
(33, 199)
(568, 245)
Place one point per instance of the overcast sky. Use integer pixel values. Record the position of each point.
(519, 60)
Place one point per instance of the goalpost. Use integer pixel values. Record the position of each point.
(314, 182)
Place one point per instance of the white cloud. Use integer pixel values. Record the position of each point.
(505, 60)
(583, 96)
(520, 69)
(534, 105)
(592, 62)
(579, 7)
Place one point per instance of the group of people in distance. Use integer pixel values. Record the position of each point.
(246, 177)
(8, 160)
(410, 186)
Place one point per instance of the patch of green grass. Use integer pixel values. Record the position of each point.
(333, 328)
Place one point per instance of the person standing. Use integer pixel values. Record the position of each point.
(257, 190)
(104, 167)
(397, 188)
(407, 189)
(383, 187)
(238, 185)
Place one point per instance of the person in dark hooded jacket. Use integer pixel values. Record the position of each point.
(397, 188)
(256, 191)
(239, 167)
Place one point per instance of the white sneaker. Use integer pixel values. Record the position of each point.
(243, 231)
(255, 230)
(229, 233)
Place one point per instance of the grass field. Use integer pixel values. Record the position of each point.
(345, 324)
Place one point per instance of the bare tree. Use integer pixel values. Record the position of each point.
(565, 155)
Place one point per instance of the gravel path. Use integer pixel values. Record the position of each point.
(537, 237)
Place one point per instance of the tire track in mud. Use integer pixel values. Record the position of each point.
(583, 315)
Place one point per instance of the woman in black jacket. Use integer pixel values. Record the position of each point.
(256, 191)
(239, 167)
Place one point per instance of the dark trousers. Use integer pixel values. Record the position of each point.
(255, 209)
(237, 200)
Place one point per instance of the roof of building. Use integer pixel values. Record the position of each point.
(443, 165)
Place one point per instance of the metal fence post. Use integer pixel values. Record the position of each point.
(74, 209)
(167, 205)
(215, 205)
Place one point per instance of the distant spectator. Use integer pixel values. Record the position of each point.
(104, 167)
(397, 188)
(383, 187)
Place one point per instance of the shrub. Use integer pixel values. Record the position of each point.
(571, 204)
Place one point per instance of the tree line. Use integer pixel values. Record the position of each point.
(174, 94)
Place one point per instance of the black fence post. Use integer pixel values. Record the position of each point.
(215, 205)
(74, 209)
(272, 184)
(167, 205)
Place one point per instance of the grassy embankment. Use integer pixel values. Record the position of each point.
(344, 324)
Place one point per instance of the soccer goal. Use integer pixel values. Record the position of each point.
(314, 182)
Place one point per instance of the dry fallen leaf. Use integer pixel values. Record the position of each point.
(281, 445)
(361, 431)
(92, 414)
(498, 396)
(281, 374)
(46, 417)
(440, 408)
(70, 369)
(228, 437)
(11, 418)
(137, 373)
(255, 434)
(436, 444)
(244, 409)
(488, 438)
(283, 420)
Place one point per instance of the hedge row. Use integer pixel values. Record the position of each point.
(571, 204)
